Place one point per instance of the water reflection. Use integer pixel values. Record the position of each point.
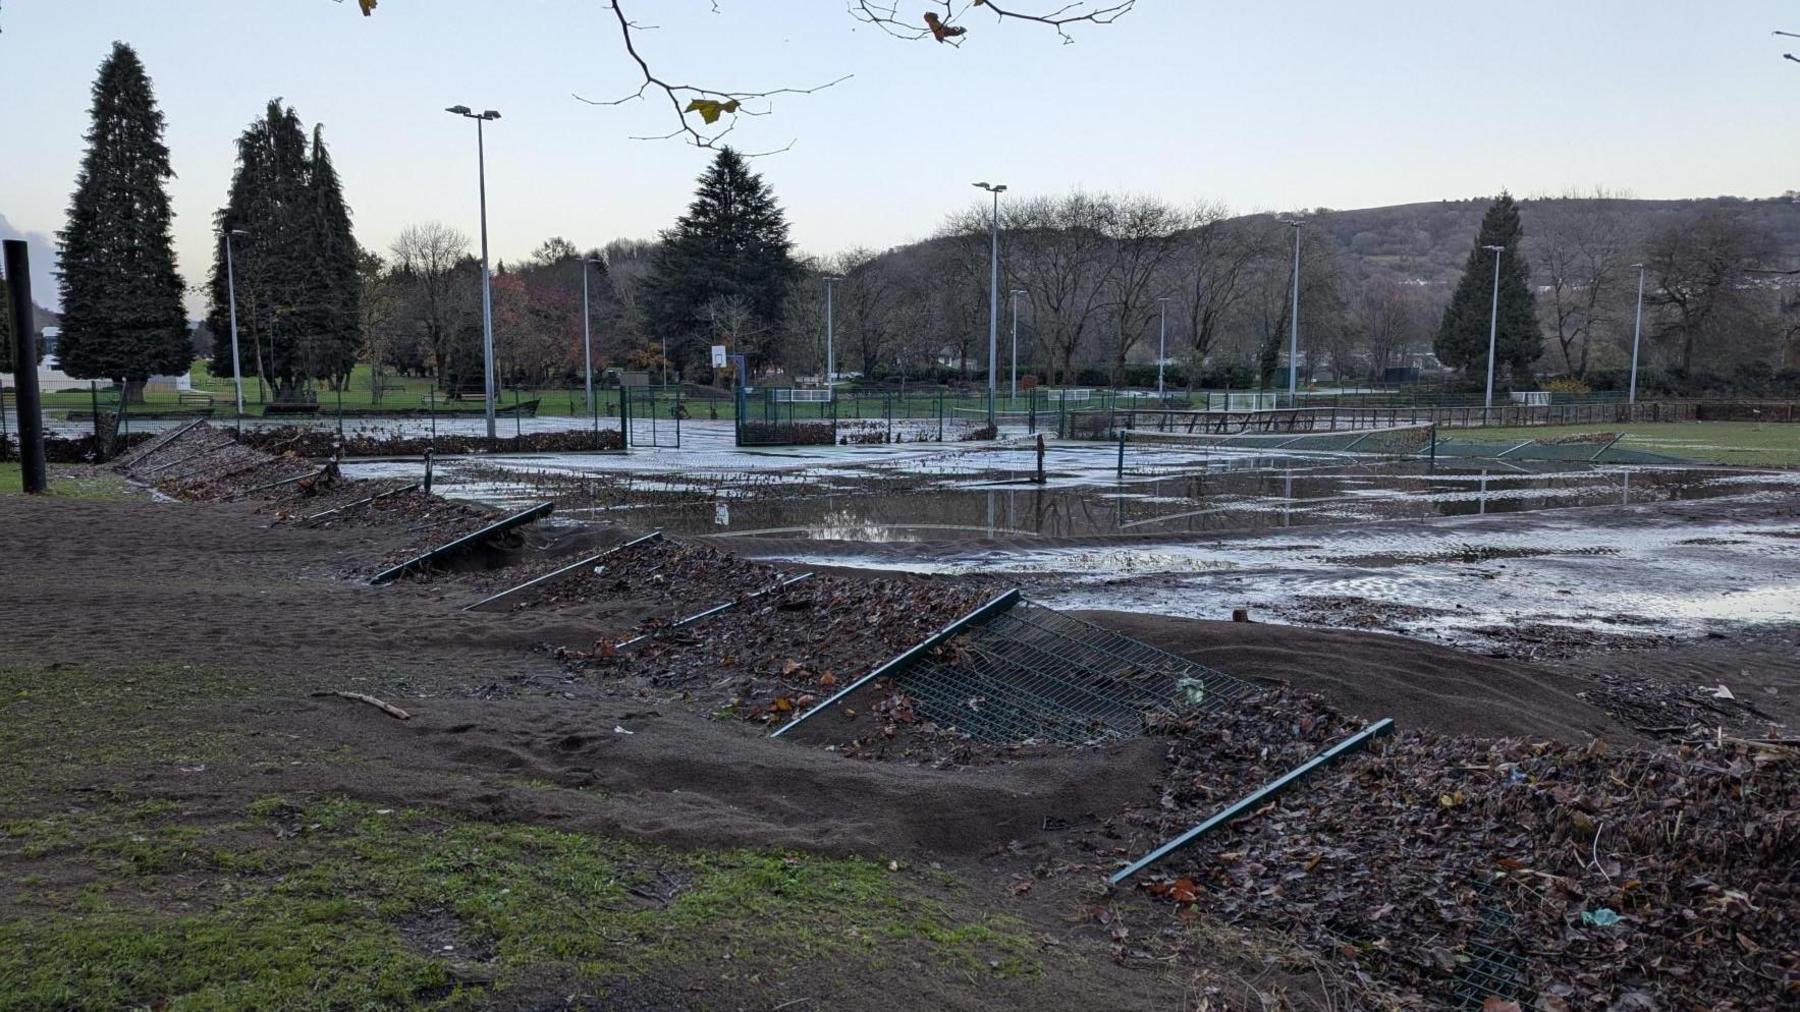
(1199, 503)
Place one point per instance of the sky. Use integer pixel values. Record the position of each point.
(1307, 103)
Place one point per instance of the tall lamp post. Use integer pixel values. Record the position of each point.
(993, 298)
(1015, 346)
(587, 338)
(830, 361)
(1162, 341)
(1493, 332)
(487, 294)
(1294, 318)
(1637, 332)
(237, 372)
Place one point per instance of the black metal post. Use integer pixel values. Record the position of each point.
(31, 416)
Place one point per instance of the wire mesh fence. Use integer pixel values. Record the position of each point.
(1036, 674)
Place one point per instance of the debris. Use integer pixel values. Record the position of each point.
(1605, 917)
(387, 708)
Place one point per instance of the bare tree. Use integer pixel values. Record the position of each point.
(1389, 318)
(960, 266)
(1214, 270)
(863, 306)
(627, 264)
(1145, 235)
(376, 309)
(1698, 270)
(1579, 253)
(1321, 298)
(1058, 252)
(425, 259)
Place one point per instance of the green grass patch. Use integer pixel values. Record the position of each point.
(62, 726)
(66, 486)
(326, 903)
(1742, 444)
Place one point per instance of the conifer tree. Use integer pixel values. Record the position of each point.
(1462, 339)
(122, 315)
(732, 244)
(335, 332)
(297, 286)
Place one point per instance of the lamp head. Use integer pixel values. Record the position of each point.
(1496, 249)
(239, 231)
(460, 110)
(491, 114)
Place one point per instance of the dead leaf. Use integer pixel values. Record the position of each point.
(710, 109)
(940, 31)
(1494, 1004)
(368, 6)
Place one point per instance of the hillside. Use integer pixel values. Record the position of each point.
(1430, 241)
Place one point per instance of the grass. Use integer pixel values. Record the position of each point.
(1744, 444)
(331, 903)
(117, 896)
(67, 486)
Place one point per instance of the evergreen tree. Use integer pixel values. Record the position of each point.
(122, 315)
(337, 287)
(1462, 339)
(297, 286)
(732, 244)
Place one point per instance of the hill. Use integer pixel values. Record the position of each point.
(1430, 241)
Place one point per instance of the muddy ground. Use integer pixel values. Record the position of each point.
(196, 634)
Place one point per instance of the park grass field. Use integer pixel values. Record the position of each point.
(66, 484)
(1740, 444)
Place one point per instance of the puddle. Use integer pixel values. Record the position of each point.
(1226, 531)
(968, 496)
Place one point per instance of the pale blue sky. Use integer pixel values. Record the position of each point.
(1261, 106)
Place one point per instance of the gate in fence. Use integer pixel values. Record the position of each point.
(651, 416)
(779, 416)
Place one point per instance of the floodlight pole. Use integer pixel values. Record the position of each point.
(993, 300)
(487, 295)
(1015, 346)
(587, 337)
(237, 372)
(1637, 333)
(1493, 332)
(829, 332)
(1294, 321)
(1162, 342)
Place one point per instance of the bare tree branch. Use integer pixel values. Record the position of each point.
(886, 16)
(709, 104)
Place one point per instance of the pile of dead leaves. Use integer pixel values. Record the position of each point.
(1606, 877)
(786, 646)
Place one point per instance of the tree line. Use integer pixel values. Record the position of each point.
(1101, 285)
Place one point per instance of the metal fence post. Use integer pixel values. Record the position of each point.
(24, 330)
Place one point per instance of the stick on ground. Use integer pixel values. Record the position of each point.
(387, 708)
